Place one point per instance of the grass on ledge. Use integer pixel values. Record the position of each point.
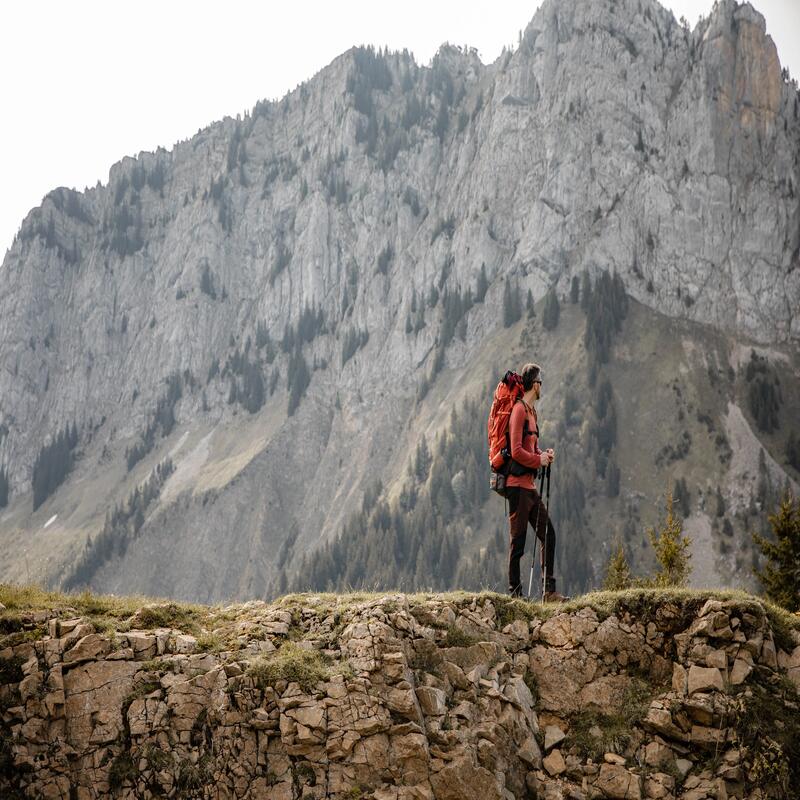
(293, 663)
(106, 612)
(110, 612)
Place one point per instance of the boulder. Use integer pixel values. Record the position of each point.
(702, 679)
(89, 648)
(618, 783)
(433, 702)
(530, 753)
(708, 738)
(554, 763)
(740, 671)
(92, 688)
(605, 694)
(553, 735)
(462, 780)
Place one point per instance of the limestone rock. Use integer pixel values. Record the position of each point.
(605, 694)
(89, 648)
(617, 782)
(552, 737)
(92, 688)
(554, 763)
(702, 679)
(405, 732)
(740, 671)
(530, 752)
(461, 780)
(432, 701)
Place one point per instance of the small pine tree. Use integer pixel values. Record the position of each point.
(781, 575)
(511, 305)
(575, 290)
(422, 461)
(299, 379)
(529, 305)
(207, 282)
(612, 480)
(672, 550)
(586, 291)
(4, 485)
(483, 285)
(681, 495)
(720, 503)
(618, 573)
(551, 311)
(793, 451)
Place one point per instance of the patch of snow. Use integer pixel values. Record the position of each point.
(50, 521)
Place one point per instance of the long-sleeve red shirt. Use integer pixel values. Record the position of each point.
(524, 449)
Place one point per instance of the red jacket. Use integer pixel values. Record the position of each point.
(524, 449)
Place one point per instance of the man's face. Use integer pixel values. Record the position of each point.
(537, 388)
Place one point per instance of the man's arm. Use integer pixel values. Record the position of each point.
(528, 458)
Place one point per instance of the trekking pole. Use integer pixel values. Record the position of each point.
(546, 531)
(533, 561)
(536, 534)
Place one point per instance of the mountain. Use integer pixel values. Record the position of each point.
(651, 695)
(230, 354)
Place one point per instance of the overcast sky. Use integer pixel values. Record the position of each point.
(86, 82)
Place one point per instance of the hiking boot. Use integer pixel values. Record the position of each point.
(550, 593)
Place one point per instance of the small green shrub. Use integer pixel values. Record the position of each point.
(304, 774)
(458, 638)
(615, 730)
(510, 609)
(290, 663)
(210, 643)
(168, 615)
(193, 776)
(768, 725)
(122, 771)
(157, 758)
(427, 657)
(11, 670)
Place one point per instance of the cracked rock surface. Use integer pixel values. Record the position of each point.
(433, 697)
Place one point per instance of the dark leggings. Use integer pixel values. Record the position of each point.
(526, 506)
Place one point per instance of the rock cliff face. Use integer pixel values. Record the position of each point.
(301, 252)
(441, 697)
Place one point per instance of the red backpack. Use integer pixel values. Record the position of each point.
(508, 391)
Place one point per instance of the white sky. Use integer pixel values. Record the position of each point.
(86, 82)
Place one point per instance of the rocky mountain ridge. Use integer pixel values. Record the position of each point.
(629, 696)
(309, 266)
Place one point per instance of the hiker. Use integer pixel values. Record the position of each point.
(525, 504)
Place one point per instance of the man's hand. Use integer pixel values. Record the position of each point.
(548, 456)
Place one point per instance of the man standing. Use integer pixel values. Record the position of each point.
(525, 504)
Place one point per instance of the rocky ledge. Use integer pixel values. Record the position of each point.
(446, 697)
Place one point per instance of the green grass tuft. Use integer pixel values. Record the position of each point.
(11, 670)
(615, 730)
(122, 771)
(458, 638)
(293, 664)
